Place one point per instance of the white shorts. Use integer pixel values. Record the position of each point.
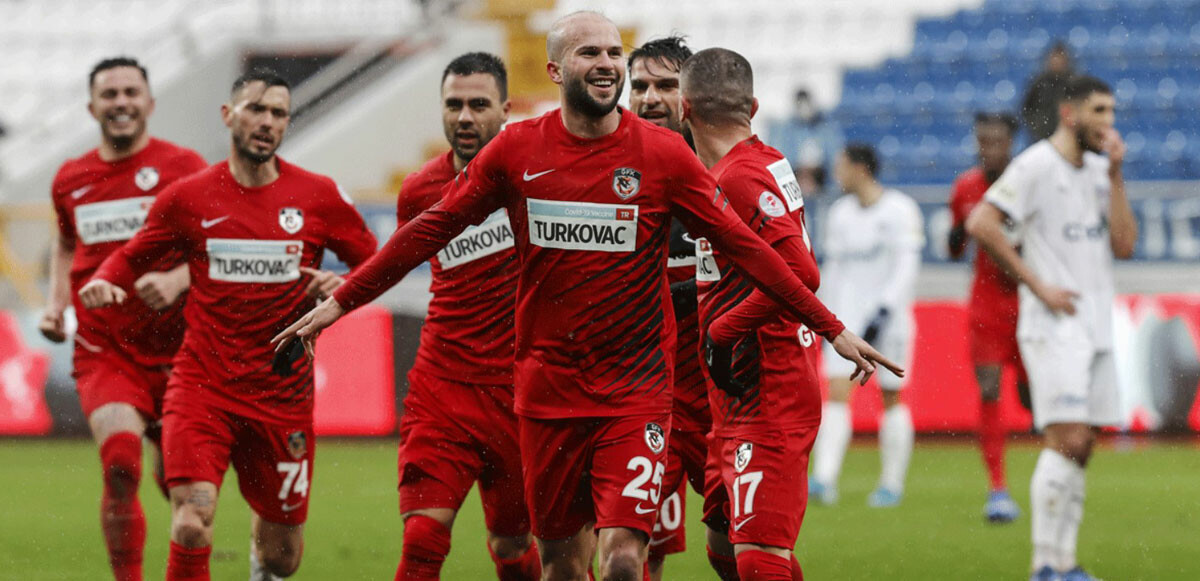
(897, 347)
(1071, 384)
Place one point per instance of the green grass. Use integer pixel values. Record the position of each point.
(1142, 520)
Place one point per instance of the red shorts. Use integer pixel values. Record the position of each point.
(606, 471)
(454, 434)
(993, 341)
(687, 455)
(274, 462)
(766, 475)
(110, 376)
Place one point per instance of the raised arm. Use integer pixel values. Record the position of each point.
(1122, 226)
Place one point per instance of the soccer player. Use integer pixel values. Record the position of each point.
(253, 229)
(992, 308)
(654, 96)
(1068, 203)
(873, 240)
(459, 426)
(765, 395)
(589, 189)
(122, 355)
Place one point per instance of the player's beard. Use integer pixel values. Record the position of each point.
(579, 99)
(1081, 136)
(125, 141)
(245, 152)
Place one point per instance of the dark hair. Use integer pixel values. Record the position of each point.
(260, 75)
(1081, 87)
(477, 63)
(114, 63)
(1008, 120)
(863, 154)
(719, 85)
(671, 50)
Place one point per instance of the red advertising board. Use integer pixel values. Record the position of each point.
(355, 380)
(23, 372)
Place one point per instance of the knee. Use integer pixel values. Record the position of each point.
(191, 533)
(622, 564)
(282, 561)
(988, 379)
(508, 548)
(1077, 445)
(121, 457)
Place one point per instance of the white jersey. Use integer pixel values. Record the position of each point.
(1061, 216)
(872, 256)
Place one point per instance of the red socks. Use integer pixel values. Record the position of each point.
(762, 566)
(121, 516)
(991, 441)
(726, 567)
(426, 544)
(527, 567)
(186, 564)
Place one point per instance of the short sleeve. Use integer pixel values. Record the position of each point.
(1011, 193)
(64, 215)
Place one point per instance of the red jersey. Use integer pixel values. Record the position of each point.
(244, 247)
(595, 329)
(468, 334)
(993, 293)
(761, 188)
(690, 410)
(100, 205)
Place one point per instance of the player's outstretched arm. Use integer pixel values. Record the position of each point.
(162, 233)
(985, 225)
(309, 326)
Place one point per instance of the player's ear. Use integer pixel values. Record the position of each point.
(150, 107)
(685, 108)
(555, 72)
(753, 107)
(91, 107)
(504, 110)
(227, 114)
(1066, 113)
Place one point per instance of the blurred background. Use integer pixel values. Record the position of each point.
(906, 76)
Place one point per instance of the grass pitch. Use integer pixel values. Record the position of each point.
(1142, 519)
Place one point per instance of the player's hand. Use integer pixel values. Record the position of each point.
(719, 360)
(52, 326)
(1114, 146)
(876, 325)
(322, 284)
(853, 348)
(99, 293)
(1058, 300)
(160, 290)
(310, 325)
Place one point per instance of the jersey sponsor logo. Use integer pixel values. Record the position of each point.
(492, 236)
(656, 440)
(582, 226)
(806, 336)
(297, 443)
(267, 261)
(1076, 231)
(741, 458)
(785, 178)
(706, 263)
(680, 261)
(533, 176)
(291, 220)
(627, 182)
(146, 178)
(770, 205)
(111, 221)
(206, 224)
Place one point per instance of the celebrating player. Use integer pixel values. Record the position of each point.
(765, 394)
(873, 240)
(992, 307)
(253, 230)
(1072, 218)
(589, 189)
(654, 96)
(122, 355)
(459, 426)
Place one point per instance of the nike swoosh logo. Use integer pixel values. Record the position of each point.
(290, 507)
(657, 542)
(530, 177)
(206, 224)
(638, 509)
(687, 238)
(80, 192)
(738, 526)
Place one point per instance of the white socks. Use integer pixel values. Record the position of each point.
(832, 440)
(895, 447)
(1056, 494)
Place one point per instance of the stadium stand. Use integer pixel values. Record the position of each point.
(917, 108)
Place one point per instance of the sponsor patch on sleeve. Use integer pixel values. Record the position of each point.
(770, 205)
(786, 179)
(583, 225)
(491, 236)
(706, 263)
(111, 221)
(262, 261)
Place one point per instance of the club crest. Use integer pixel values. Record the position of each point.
(655, 438)
(626, 182)
(297, 444)
(741, 458)
(146, 178)
(291, 220)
